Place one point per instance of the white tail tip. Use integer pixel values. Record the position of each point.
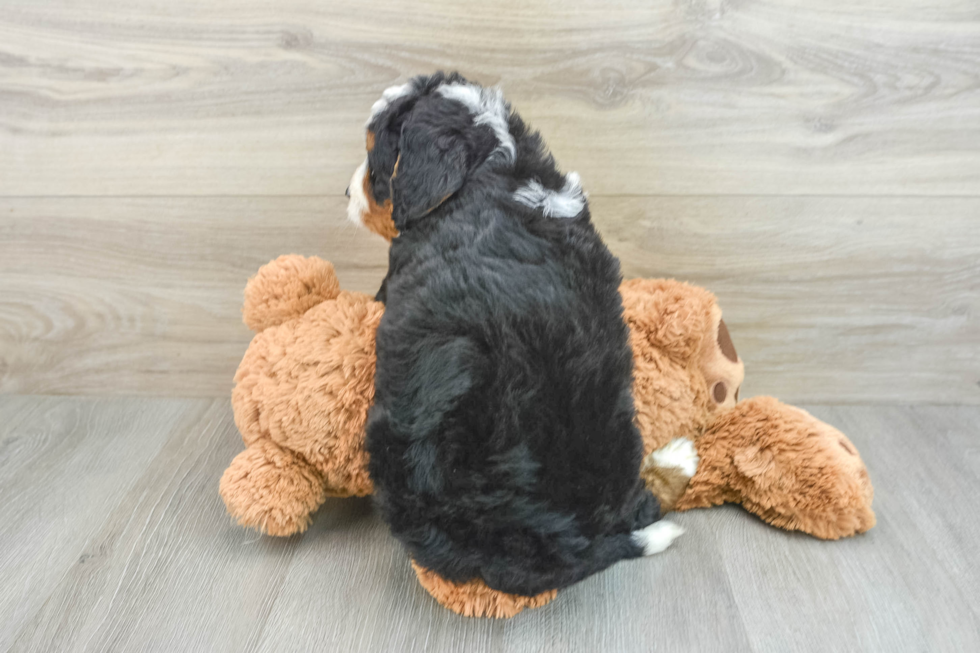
(657, 536)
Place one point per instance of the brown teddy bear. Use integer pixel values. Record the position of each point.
(303, 390)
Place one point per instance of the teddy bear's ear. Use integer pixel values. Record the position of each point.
(757, 463)
(287, 287)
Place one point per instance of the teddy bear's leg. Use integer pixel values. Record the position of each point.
(272, 489)
(786, 466)
(286, 288)
(474, 599)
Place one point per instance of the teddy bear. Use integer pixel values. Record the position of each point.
(304, 387)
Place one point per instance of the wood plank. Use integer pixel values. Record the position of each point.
(846, 300)
(703, 98)
(64, 464)
(168, 570)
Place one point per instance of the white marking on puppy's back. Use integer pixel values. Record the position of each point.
(657, 536)
(565, 203)
(389, 95)
(357, 206)
(488, 108)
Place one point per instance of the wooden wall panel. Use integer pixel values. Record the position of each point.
(817, 164)
(828, 299)
(708, 97)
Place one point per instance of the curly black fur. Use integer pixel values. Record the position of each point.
(502, 438)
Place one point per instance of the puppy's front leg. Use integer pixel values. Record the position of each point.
(668, 470)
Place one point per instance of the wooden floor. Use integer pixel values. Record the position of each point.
(814, 163)
(113, 538)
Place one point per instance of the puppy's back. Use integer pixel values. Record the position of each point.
(502, 439)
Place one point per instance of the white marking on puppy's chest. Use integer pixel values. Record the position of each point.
(565, 203)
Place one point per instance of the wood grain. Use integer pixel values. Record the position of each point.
(143, 296)
(147, 578)
(871, 593)
(814, 163)
(829, 299)
(148, 560)
(692, 97)
(835, 300)
(64, 463)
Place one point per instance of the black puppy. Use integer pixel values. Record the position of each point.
(502, 437)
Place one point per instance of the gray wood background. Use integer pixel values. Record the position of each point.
(816, 164)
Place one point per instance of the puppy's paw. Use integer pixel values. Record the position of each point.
(679, 453)
(657, 536)
(668, 471)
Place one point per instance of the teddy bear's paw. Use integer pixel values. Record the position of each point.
(271, 489)
(720, 365)
(657, 536)
(679, 453)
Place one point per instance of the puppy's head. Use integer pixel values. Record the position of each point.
(423, 140)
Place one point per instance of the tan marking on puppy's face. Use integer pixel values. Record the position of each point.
(377, 217)
(363, 209)
(370, 140)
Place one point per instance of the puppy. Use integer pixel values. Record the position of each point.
(502, 439)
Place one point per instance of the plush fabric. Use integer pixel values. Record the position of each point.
(786, 466)
(301, 397)
(474, 599)
(304, 387)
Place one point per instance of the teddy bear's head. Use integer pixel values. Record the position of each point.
(686, 369)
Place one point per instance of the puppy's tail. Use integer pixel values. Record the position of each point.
(643, 534)
(651, 534)
(665, 473)
(656, 537)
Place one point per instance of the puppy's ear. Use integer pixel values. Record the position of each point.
(436, 151)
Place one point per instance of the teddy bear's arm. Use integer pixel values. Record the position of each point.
(786, 466)
(272, 489)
